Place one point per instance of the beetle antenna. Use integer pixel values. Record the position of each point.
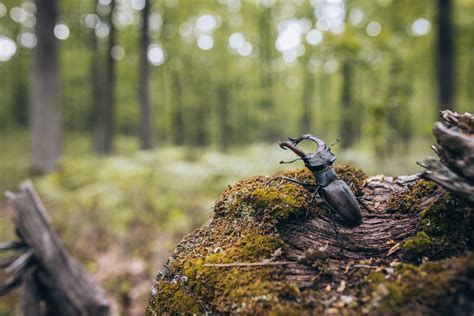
(337, 141)
(282, 161)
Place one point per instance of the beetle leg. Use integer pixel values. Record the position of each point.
(308, 186)
(334, 224)
(312, 200)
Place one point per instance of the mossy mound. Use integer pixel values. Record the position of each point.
(247, 228)
(243, 229)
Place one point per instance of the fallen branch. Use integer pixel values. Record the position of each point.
(247, 264)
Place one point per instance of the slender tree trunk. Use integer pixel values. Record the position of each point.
(96, 81)
(396, 112)
(105, 127)
(308, 92)
(266, 80)
(445, 56)
(146, 116)
(45, 120)
(177, 112)
(347, 128)
(225, 131)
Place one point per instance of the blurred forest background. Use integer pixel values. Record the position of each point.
(132, 115)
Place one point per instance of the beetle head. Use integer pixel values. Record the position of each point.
(317, 161)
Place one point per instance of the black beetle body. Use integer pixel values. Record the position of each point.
(335, 192)
(340, 197)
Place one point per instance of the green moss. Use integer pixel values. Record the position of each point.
(353, 176)
(445, 230)
(432, 288)
(224, 287)
(270, 200)
(409, 200)
(172, 299)
(279, 203)
(417, 246)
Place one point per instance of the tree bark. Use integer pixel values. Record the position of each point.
(266, 75)
(177, 115)
(348, 118)
(45, 115)
(96, 76)
(223, 113)
(105, 127)
(445, 56)
(146, 113)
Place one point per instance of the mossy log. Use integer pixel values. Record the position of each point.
(267, 251)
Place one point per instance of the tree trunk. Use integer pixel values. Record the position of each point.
(266, 77)
(96, 84)
(445, 56)
(45, 116)
(177, 111)
(105, 127)
(224, 131)
(146, 113)
(348, 118)
(396, 111)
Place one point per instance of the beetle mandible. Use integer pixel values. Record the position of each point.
(336, 194)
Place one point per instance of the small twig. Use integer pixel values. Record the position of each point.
(247, 264)
(364, 266)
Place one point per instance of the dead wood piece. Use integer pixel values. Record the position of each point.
(455, 148)
(66, 286)
(439, 173)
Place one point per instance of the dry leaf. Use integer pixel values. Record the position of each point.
(342, 286)
(393, 249)
(348, 266)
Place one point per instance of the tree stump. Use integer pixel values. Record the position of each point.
(267, 251)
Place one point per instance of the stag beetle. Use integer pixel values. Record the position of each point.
(334, 191)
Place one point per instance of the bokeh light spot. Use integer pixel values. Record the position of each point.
(205, 42)
(61, 31)
(373, 28)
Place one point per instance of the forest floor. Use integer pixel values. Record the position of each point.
(98, 204)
